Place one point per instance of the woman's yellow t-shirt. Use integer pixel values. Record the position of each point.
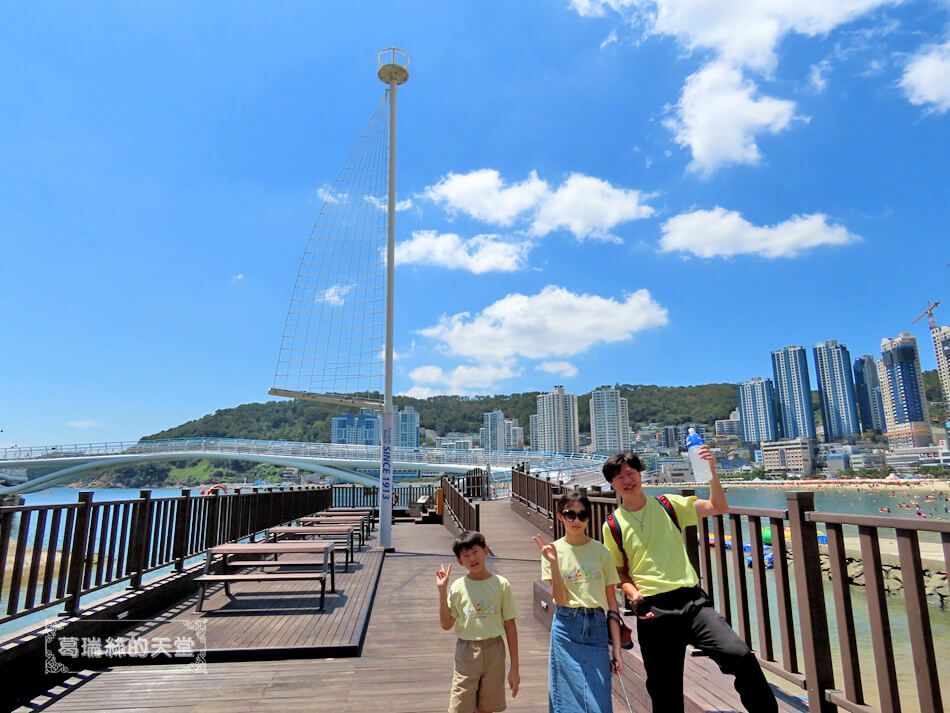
(586, 571)
(656, 555)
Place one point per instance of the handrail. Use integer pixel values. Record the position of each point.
(464, 513)
(61, 553)
(792, 634)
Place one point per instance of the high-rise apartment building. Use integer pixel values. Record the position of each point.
(839, 412)
(363, 429)
(514, 435)
(557, 422)
(941, 338)
(533, 434)
(867, 394)
(609, 422)
(407, 428)
(906, 416)
(493, 438)
(793, 392)
(757, 410)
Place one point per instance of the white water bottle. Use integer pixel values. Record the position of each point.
(702, 473)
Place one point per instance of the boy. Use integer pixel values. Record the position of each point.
(672, 611)
(481, 608)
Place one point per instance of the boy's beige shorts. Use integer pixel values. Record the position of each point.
(479, 680)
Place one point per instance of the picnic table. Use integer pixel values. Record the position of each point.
(327, 532)
(361, 520)
(324, 549)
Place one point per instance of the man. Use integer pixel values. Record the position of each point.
(672, 611)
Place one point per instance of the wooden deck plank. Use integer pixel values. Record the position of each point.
(406, 662)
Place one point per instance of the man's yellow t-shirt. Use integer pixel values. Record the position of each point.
(586, 571)
(656, 555)
(481, 607)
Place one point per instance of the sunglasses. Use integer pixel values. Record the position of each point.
(572, 515)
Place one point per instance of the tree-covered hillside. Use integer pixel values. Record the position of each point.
(310, 421)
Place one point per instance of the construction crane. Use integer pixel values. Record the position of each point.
(930, 314)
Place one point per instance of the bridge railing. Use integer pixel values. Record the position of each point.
(463, 512)
(776, 599)
(560, 465)
(53, 555)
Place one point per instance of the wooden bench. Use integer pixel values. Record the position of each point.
(227, 579)
(259, 549)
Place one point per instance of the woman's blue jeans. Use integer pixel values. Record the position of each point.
(579, 668)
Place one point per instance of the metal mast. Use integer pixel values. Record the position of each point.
(393, 71)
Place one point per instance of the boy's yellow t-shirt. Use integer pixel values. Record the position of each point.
(586, 571)
(481, 607)
(656, 554)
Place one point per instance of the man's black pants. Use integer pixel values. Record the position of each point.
(686, 616)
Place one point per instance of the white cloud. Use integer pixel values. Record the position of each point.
(926, 80)
(745, 34)
(816, 76)
(560, 368)
(595, 8)
(719, 115)
(609, 39)
(327, 194)
(553, 323)
(483, 253)
(237, 278)
(722, 233)
(334, 295)
(84, 424)
(589, 207)
(483, 195)
(383, 205)
(462, 379)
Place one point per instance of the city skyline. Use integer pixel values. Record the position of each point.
(619, 192)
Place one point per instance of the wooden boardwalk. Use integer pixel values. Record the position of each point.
(281, 620)
(406, 662)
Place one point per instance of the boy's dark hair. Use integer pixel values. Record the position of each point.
(613, 464)
(575, 496)
(467, 540)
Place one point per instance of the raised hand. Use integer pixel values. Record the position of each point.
(442, 576)
(548, 551)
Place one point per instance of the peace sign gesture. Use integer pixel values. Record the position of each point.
(442, 576)
(548, 551)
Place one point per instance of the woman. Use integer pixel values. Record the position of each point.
(583, 578)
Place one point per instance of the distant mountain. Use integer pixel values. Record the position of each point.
(310, 421)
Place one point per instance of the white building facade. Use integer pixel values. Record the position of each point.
(609, 422)
(557, 423)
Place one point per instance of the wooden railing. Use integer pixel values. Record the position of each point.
(791, 633)
(536, 493)
(60, 553)
(463, 512)
(358, 496)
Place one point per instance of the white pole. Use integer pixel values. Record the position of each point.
(386, 461)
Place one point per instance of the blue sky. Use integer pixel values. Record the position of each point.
(637, 191)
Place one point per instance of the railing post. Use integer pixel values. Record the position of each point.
(478, 517)
(211, 521)
(77, 558)
(182, 516)
(690, 539)
(809, 590)
(141, 536)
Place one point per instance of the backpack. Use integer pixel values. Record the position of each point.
(626, 640)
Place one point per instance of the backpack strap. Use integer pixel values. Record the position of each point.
(618, 538)
(668, 506)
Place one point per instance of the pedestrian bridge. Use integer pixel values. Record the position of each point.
(341, 461)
